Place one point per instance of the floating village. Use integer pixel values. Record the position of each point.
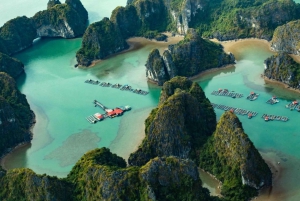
(294, 105)
(111, 113)
(125, 87)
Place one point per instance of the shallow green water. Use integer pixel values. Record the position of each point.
(61, 100)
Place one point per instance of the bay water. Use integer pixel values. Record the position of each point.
(61, 100)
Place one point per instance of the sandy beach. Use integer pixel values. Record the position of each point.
(136, 43)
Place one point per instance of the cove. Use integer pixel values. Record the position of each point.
(61, 100)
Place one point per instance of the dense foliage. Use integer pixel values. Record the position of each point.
(15, 116)
(11, 66)
(16, 35)
(232, 158)
(179, 126)
(283, 68)
(24, 185)
(286, 38)
(189, 57)
(100, 40)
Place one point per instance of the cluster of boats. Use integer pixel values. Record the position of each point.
(271, 117)
(294, 105)
(137, 91)
(109, 113)
(117, 86)
(235, 110)
(226, 92)
(273, 100)
(252, 96)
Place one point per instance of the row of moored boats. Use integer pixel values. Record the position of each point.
(235, 110)
(117, 86)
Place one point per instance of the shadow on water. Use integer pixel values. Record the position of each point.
(21, 80)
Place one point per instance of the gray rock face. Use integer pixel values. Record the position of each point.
(286, 38)
(183, 14)
(283, 68)
(67, 20)
(155, 68)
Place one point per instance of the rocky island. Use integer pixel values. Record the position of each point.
(232, 158)
(180, 133)
(187, 58)
(59, 20)
(224, 20)
(286, 38)
(16, 118)
(283, 68)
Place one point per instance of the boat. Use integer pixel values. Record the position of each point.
(249, 116)
(266, 118)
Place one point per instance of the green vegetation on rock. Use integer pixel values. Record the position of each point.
(100, 40)
(15, 117)
(283, 68)
(11, 66)
(24, 184)
(232, 158)
(52, 3)
(16, 35)
(67, 20)
(187, 58)
(179, 126)
(286, 38)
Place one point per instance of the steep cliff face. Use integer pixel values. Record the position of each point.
(286, 38)
(283, 68)
(52, 3)
(127, 19)
(15, 115)
(184, 11)
(16, 35)
(67, 20)
(11, 66)
(100, 40)
(228, 19)
(232, 158)
(180, 124)
(156, 68)
(187, 58)
(24, 184)
(101, 175)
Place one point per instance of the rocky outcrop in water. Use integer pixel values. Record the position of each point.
(16, 118)
(24, 184)
(282, 67)
(232, 158)
(187, 58)
(100, 40)
(67, 20)
(178, 127)
(16, 35)
(104, 176)
(11, 66)
(286, 38)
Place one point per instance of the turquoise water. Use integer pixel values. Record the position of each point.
(61, 100)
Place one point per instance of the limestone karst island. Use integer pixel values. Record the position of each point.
(150, 100)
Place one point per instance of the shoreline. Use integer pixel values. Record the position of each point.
(136, 43)
(280, 84)
(6, 155)
(20, 145)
